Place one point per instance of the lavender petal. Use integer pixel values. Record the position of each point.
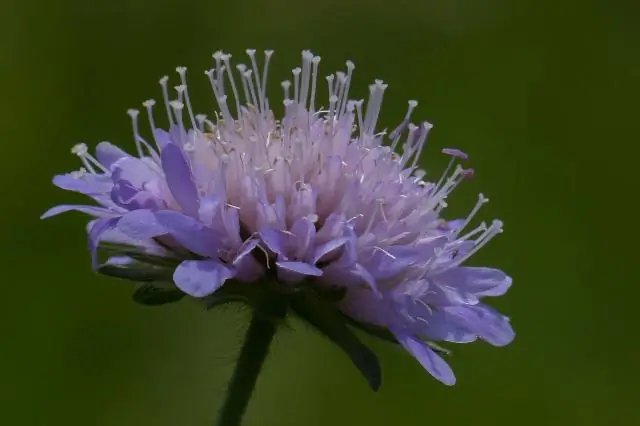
(107, 154)
(300, 268)
(200, 278)
(90, 210)
(431, 361)
(180, 179)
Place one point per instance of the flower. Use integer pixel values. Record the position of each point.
(316, 198)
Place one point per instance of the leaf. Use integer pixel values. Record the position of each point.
(150, 295)
(324, 317)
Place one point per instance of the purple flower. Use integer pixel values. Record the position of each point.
(317, 197)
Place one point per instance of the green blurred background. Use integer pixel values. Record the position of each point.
(542, 94)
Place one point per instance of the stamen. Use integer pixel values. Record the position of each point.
(148, 104)
(250, 85)
(286, 86)
(242, 69)
(307, 57)
(201, 119)
(265, 72)
(376, 248)
(314, 77)
(396, 133)
(256, 74)
(481, 201)
(345, 96)
(165, 97)
(341, 81)
(226, 58)
(373, 106)
(182, 71)
(88, 160)
(177, 107)
(133, 113)
(426, 127)
(358, 105)
(492, 231)
(296, 84)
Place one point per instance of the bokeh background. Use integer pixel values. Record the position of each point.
(542, 94)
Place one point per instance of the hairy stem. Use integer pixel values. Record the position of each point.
(267, 315)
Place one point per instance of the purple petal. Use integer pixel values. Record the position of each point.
(455, 224)
(433, 324)
(127, 196)
(177, 134)
(479, 281)
(487, 323)
(385, 265)
(443, 294)
(162, 138)
(304, 236)
(141, 225)
(245, 250)
(107, 154)
(95, 232)
(133, 170)
(87, 184)
(362, 273)
(90, 210)
(190, 233)
(323, 249)
(300, 268)
(116, 236)
(180, 179)
(209, 207)
(273, 239)
(430, 360)
(200, 278)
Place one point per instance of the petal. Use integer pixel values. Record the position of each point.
(177, 134)
(483, 320)
(95, 232)
(455, 224)
(477, 280)
(199, 278)
(430, 360)
(300, 268)
(141, 225)
(245, 250)
(127, 196)
(273, 239)
(116, 236)
(323, 249)
(87, 184)
(133, 170)
(208, 208)
(180, 179)
(162, 138)
(443, 294)
(433, 324)
(190, 233)
(107, 154)
(304, 233)
(90, 210)
(332, 227)
(362, 273)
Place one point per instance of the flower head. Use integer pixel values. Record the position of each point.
(316, 198)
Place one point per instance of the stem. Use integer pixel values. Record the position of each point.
(264, 323)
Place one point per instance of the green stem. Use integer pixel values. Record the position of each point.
(264, 323)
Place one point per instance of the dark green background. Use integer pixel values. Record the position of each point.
(543, 96)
